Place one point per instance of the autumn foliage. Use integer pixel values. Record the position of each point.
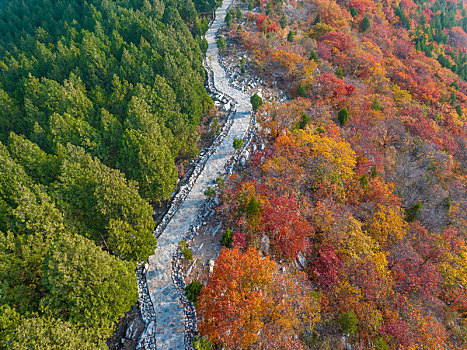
(334, 197)
(247, 301)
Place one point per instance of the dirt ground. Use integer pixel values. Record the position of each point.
(128, 330)
(205, 246)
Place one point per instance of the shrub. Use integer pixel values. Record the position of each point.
(459, 110)
(447, 203)
(227, 238)
(455, 85)
(221, 43)
(228, 18)
(339, 72)
(256, 102)
(186, 252)
(348, 322)
(238, 14)
(220, 181)
(364, 181)
(291, 36)
(412, 213)
(283, 21)
(342, 116)
(193, 290)
(237, 144)
(365, 24)
(354, 12)
(304, 121)
(209, 192)
(301, 91)
(215, 125)
(253, 207)
(201, 343)
(453, 97)
(313, 55)
(376, 105)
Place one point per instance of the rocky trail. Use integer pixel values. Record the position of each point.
(170, 319)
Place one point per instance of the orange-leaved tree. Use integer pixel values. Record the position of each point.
(247, 301)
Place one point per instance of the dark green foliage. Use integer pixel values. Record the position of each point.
(101, 204)
(459, 110)
(342, 116)
(252, 207)
(291, 36)
(251, 5)
(364, 181)
(40, 332)
(354, 12)
(320, 130)
(40, 166)
(301, 90)
(238, 13)
(228, 19)
(339, 72)
(75, 76)
(269, 8)
(348, 322)
(402, 16)
(317, 19)
(201, 26)
(97, 100)
(447, 203)
(283, 21)
(193, 290)
(242, 65)
(455, 85)
(203, 45)
(376, 105)
(86, 285)
(256, 102)
(365, 24)
(313, 55)
(304, 121)
(215, 125)
(221, 43)
(205, 6)
(412, 213)
(237, 144)
(453, 97)
(227, 237)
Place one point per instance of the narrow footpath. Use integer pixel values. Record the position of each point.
(167, 330)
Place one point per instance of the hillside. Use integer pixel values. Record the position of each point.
(99, 107)
(343, 225)
(348, 227)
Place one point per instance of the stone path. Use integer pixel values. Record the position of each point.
(168, 330)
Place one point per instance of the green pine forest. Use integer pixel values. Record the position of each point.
(99, 100)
